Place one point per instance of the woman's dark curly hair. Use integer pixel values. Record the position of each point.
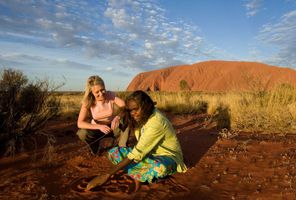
(146, 105)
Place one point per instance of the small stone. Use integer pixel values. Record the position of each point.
(205, 188)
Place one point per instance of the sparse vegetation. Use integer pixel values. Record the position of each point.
(70, 103)
(25, 107)
(184, 85)
(270, 111)
(258, 110)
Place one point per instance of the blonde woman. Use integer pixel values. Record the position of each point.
(96, 118)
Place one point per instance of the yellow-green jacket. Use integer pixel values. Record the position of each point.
(158, 138)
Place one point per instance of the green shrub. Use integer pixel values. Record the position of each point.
(25, 107)
(184, 85)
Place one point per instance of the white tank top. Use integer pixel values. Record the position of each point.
(103, 112)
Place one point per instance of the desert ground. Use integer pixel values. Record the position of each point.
(221, 165)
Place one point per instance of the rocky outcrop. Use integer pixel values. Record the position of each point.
(214, 76)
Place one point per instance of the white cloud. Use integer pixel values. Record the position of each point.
(253, 7)
(135, 33)
(8, 62)
(39, 61)
(157, 37)
(283, 36)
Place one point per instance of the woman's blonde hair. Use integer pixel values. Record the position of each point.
(88, 97)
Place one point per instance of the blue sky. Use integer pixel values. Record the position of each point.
(68, 41)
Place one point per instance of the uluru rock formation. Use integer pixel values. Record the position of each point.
(214, 76)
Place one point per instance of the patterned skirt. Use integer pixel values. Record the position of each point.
(149, 169)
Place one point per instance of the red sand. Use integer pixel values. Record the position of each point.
(247, 166)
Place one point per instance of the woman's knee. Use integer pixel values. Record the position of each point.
(123, 138)
(168, 166)
(117, 154)
(82, 134)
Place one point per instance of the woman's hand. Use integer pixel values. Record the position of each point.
(97, 181)
(104, 128)
(115, 123)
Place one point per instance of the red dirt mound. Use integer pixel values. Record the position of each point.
(214, 76)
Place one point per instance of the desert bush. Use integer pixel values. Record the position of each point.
(70, 103)
(222, 117)
(269, 111)
(184, 108)
(179, 102)
(184, 85)
(25, 107)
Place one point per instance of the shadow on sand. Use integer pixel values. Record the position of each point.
(196, 139)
